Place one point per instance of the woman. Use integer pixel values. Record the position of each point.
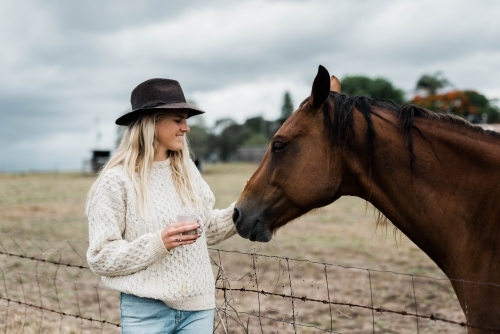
(135, 242)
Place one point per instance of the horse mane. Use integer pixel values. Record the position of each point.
(340, 129)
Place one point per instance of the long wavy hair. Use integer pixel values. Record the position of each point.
(136, 154)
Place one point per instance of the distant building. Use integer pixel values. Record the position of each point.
(99, 158)
(251, 153)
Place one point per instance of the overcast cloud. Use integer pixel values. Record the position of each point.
(70, 66)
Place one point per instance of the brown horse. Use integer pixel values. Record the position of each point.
(435, 176)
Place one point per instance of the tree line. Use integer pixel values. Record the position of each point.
(223, 140)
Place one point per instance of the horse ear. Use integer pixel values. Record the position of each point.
(321, 87)
(334, 84)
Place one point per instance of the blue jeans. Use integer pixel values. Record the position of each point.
(151, 316)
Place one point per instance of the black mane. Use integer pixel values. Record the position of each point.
(340, 129)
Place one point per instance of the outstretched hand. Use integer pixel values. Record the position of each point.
(174, 235)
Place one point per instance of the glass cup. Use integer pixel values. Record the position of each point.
(190, 218)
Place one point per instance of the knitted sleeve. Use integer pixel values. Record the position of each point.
(219, 224)
(109, 254)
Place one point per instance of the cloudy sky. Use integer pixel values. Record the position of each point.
(68, 67)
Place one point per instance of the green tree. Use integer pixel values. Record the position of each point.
(231, 136)
(231, 139)
(261, 126)
(486, 111)
(378, 88)
(223, 123)
(198, 137)
(286, 108)
(256, 139)
(432, 82)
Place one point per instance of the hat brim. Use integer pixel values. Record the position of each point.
(130, 117)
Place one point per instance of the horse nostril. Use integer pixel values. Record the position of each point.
(236, 215)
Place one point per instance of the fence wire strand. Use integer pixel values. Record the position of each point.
(48, 287)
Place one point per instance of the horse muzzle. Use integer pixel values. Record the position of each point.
(252, 227)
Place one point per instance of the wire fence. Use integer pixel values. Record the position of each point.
(47, 287)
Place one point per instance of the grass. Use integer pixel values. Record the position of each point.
(42, 216)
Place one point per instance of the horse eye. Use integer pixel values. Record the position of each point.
(278, 146)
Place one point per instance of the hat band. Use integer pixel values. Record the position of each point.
(155, 103)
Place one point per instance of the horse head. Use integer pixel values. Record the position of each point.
(295, 175)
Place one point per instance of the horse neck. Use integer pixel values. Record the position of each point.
(450, 191)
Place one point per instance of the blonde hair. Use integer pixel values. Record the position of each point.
(136, 154)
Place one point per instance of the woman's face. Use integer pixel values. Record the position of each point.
(170, 131)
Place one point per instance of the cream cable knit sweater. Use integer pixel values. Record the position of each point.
(128, 253)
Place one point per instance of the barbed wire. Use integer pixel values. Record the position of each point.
(8, 300)
(44, 261)
(293, 297)
(379, 309)
(354, 267)
(51, 299)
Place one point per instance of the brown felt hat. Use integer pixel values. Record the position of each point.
(153, 95)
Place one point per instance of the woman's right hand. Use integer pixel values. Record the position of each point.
(174, 234)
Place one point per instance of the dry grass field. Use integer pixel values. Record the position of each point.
(41, 218)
